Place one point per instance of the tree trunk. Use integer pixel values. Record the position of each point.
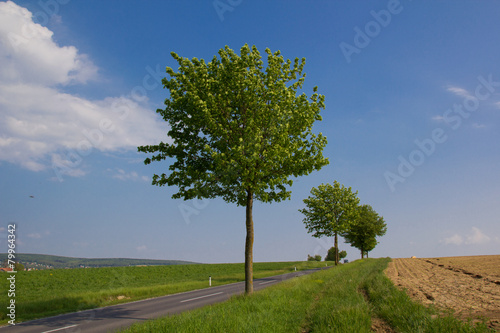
(361, 253)
(249, 245)
(336, 250)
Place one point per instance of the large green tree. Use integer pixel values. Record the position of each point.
(366, 227)
(329, 211)
(238, 130)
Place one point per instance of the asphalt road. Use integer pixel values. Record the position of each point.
(119, 316)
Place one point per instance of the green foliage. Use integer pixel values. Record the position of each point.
(330, 256)
(238, 131)
(237, 127)
(342, 254)
(366, 226)
(330, 209)
(315, 258)
(17, 265)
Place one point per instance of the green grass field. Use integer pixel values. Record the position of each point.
(50, 292)
(342, 299)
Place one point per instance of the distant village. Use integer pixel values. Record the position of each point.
(33, 266)
(33, 262)
(26, 266)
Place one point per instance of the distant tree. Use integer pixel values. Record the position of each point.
(18, 267)
(238, 131)
(330, 208)
(330, 256)
(367, 226)
(342, 254)
(315, 258)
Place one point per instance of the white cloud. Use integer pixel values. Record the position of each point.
(29, 53)
(455, 239)
(42, 126)
(478, 126)
(123, 175)
(141, 248)
(438, 118)
(459, 91)
(477, 237)
(36, 235)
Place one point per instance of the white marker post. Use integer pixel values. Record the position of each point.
(209, 281)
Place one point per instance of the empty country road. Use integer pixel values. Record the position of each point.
(119, 316)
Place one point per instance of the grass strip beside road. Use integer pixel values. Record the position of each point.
(47, 293)
(396, 308)
(341, 299)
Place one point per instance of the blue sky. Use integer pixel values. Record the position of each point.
(412, 119)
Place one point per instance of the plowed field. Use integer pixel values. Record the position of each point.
(468, 285)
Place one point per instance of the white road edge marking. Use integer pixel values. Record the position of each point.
(60, 329)
(267, 281)
(192, 299)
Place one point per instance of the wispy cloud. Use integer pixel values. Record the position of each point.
(438, 118)
(40, 122)
(456, 239)
(477, 237)
(459, 91)
(478, 126)
(123, 175)
(141, 248)
(474, 237)
(36, 235)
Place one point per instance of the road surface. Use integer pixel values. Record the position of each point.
(112, 318)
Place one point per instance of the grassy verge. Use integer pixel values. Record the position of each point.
(50, 292)
(342, 299)
(400, 312)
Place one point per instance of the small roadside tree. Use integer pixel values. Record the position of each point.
(330, 255)
(330, 208)
(364, 230)
(18, 267)
(315, 258)
(238, 131)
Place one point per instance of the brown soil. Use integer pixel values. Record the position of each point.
(380, 326)
(470, 286)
